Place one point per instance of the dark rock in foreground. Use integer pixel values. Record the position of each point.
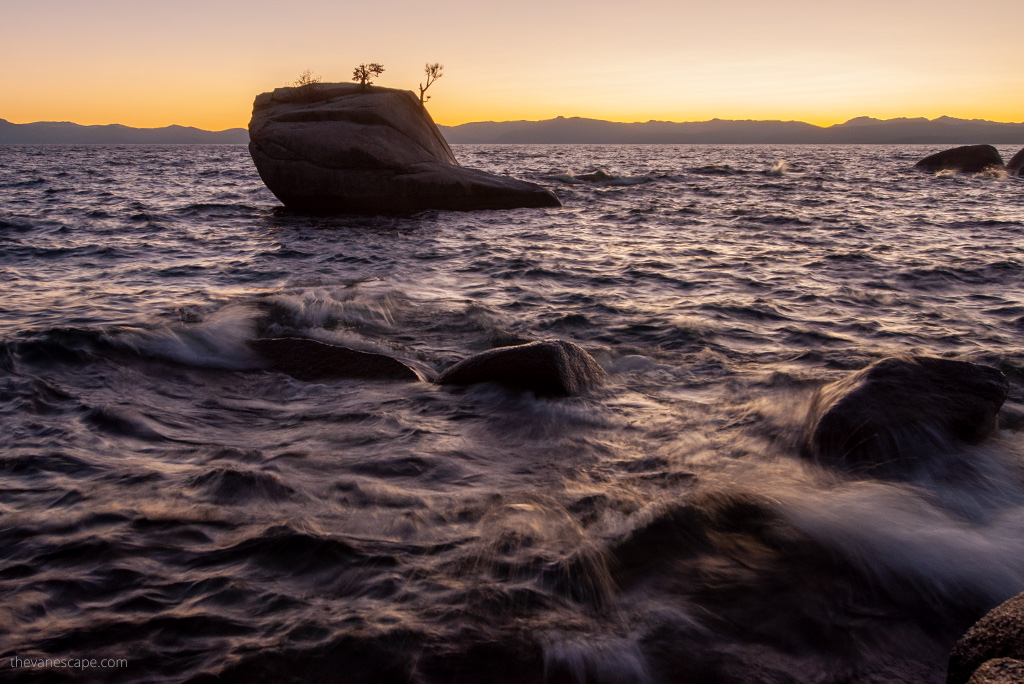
(899, 408)
(1016, 165)
(312, 360)
(337, 147)
(999, 671)
(551, 367)
(1000, 634)
(966, 159)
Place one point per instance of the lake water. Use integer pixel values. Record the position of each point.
(168, 500)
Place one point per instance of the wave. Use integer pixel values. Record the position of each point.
(218, 341)
(598, 177)
(123, 421)
(229, 485)
(717, 170)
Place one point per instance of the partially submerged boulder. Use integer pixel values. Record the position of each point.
(966, 159)
(312, 360)
(899, 408)
(341, 147)
(1016, 165)
(1000, 634)
(551, 367)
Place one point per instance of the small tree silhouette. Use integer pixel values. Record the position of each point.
(365, 73)
(306, 79)
(433, 71)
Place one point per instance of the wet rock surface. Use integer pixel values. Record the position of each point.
(312, 360)
(998, 635)
(1016, 164)
(966, 159)
(903, 407)
(551, 367)
(999, 671)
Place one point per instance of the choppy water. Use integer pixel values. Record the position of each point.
(165, 500)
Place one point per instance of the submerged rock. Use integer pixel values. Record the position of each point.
(339, 147)
(966, 159)
(551, 367)
(898, 408)
(597, 176)
(312, 360)
(1000, 634)
(1016, 165)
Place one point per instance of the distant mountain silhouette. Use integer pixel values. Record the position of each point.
(943, 130)
(860, 130)
(64, 132)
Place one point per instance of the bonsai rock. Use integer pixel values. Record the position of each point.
(342, 147)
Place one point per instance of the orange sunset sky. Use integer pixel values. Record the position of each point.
(194, 63)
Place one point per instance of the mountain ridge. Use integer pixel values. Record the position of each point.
(863, 130)
(579, 130)
(68, 133)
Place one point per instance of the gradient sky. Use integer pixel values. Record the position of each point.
(200, 63)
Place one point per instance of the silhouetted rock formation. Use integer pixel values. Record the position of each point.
(342, 148)
(1016, 165)
(900, 408)
(551, 367)
(966, 159)
(1000, 634)
(312, 360)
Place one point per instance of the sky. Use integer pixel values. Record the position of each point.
(201, 63)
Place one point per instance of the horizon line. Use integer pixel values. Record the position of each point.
(556, 118)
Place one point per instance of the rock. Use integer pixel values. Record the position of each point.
(338, 147)
(966, 159)
(312, 360)
(551, 367)
(1016, 165)
(900, 408)
(599, 176)
(1011, 418)
(1000, 634)
(999, 671)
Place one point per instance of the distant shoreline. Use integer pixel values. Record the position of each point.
(67, 133)
(862, 130)
(576, 130)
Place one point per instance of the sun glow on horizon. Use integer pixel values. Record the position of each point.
(196, 64)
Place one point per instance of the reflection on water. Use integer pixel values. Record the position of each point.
(164, 498)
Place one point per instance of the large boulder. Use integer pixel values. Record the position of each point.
(901, 408)
(340, 147)
(1000, 634)
(966, 159)
(551, 368)
(1016, 165)
(311, 360)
